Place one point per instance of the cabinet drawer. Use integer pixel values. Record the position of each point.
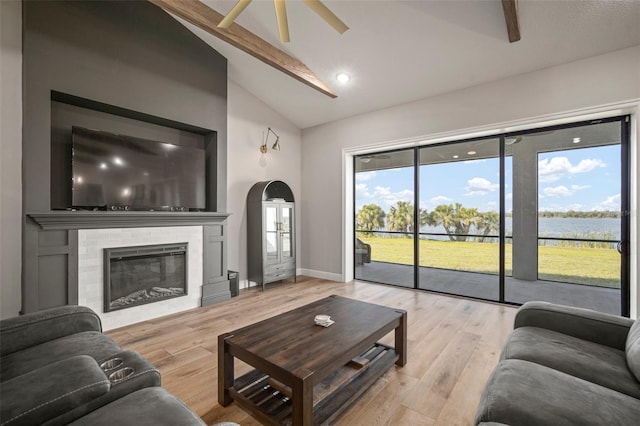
(277, 267)
(279, 275)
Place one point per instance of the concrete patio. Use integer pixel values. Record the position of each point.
(486, 286)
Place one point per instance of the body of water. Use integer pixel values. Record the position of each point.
(558, 227)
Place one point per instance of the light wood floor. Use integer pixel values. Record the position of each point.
(453, 346)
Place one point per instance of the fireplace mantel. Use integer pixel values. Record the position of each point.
(51, 250)
(63, 219)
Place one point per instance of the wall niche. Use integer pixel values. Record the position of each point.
(68, 111)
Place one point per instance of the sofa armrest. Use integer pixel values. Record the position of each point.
(28, 330)
(605, 329)
(50, 391)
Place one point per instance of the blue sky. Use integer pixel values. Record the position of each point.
(580, 179)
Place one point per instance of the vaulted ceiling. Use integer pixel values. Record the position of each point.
(402, 51)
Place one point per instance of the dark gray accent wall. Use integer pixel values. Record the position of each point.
(215, 286)
(129, 54)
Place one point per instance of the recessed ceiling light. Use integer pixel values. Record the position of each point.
(576, 140)
(343, 78)
(456, 156)
(472, 153)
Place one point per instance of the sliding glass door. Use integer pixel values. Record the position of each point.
(384, 220)
(533, 215)
(567, 218)
(460, 220)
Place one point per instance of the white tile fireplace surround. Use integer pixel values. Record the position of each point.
(91, 243)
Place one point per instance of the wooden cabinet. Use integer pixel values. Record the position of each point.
(271, 232)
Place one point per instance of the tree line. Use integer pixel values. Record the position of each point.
(456, 220)
(608, 214)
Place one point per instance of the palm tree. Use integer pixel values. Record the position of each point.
(425, 218)
(465, 218)
(443, 215)
(487, 223)
(456, 220)
(400, 217)
(370, 218)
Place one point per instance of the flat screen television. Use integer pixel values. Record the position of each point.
(119, 172)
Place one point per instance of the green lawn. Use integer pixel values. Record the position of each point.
(592, 266)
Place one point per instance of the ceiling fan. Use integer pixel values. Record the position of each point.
(281, 16)
(367, 158)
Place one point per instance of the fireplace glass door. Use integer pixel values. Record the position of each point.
(139, 275)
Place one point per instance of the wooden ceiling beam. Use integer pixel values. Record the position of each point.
(512, 18)
(202, 16)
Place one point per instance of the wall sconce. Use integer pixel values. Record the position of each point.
(276, 145)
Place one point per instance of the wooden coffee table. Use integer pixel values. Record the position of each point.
(305, 373)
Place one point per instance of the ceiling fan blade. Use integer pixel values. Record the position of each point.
(318, 7)
(283, 23)
(233, 13)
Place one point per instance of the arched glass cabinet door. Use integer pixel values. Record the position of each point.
(286, 225)
(271, 227)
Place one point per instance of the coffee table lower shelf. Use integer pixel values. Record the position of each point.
(270, 401)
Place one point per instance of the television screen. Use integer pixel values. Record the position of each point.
(123, 172)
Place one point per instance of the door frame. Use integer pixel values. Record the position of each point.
(625, 272)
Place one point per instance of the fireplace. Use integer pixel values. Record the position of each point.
(144, 274)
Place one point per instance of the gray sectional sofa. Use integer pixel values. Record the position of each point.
(56, 368)
(565, 366)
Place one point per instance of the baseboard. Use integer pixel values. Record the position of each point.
(246, 284)
(321, 274)
(300, 271)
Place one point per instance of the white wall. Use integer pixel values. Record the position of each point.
(247, 119)
(599, 85)
(10, 157)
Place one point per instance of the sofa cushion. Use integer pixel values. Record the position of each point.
(92, 343)
(632, 349)
(146, 407)
(31, 329)
(524, 393)
(52, 390)
(586, 324)
(590, 361)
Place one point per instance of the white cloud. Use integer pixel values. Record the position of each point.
(391, 198)
(432, 203)
(611, 203)
(562, 191)
(551, 170)
(362, 191)
(556, 191)
(576, 188)
(440, 199)
(381, 196)
(480, 186)
(364, 176)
